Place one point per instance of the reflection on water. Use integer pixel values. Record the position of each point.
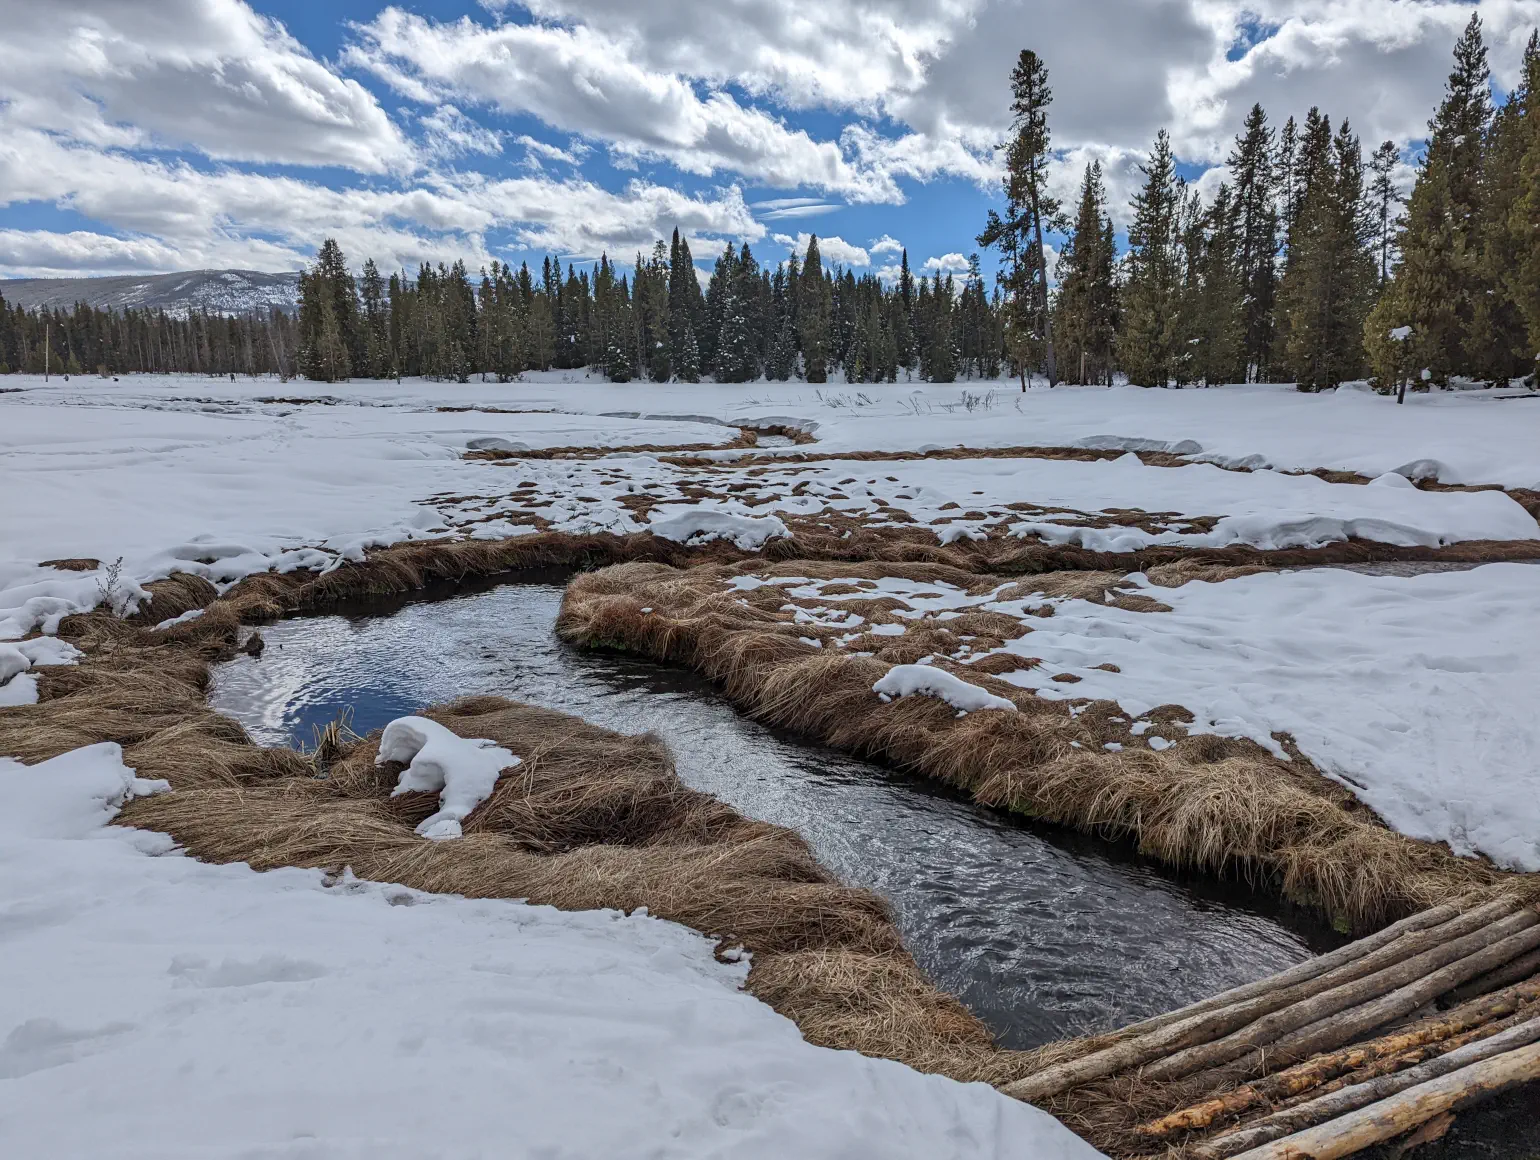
(1042, 933)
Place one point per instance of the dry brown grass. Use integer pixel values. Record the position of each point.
(1210, 803)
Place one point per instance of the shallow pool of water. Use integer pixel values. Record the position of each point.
(1042, 933)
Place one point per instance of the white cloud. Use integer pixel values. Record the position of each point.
(835, 250)
(887, 244)
(946, 264)
(450, 133)
(209, 75)
(173, 216)
(580, 80)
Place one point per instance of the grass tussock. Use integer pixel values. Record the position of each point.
(1209, 803)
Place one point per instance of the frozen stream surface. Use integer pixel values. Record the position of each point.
(1041, 932)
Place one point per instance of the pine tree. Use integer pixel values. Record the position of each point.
(1085, 312)
(813, 303)
(1440, 274)
(1219, 354)
(1383, 199)
(338, 280)
(1498, 344)
(1329, 282)
(1524, 216)
(1029, 210)
(1256, 188)
(323, 353)
(1152, 288)
(376, 339)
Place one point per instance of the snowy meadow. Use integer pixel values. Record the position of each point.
(1343, 584)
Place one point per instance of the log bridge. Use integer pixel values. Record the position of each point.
(1385, 1038)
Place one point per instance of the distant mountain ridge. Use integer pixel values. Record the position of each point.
(180, 294)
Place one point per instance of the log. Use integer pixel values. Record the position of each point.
(1521, 968)
(1203, 1027)
(1349, 1025)
(1405, 1110)
(1350, 1099)
(1308, 1015)
(1428, 1036)
(1411, 1057)
(1299, 973)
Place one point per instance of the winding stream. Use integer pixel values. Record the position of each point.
(1042, 933)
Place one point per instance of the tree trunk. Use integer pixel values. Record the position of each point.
(1350, 1099)
(1429, 1037)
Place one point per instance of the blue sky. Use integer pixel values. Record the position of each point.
(151, 135)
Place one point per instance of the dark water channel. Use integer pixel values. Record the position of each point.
(1042, 933)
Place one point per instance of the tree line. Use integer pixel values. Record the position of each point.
(1305, 266)
(1302, 267)
(800, 319)
(85, 340)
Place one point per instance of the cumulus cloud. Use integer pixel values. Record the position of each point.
(207, 75)
(147, 117)
(946, 264)
(835, 250)
(579, 79)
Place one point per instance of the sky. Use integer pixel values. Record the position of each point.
(160, 135)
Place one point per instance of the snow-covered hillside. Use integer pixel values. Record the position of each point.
(216, 291)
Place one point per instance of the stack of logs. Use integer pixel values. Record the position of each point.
(1281, 1069)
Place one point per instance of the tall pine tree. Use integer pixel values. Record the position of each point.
(1152, 288)
(1085, 311)
(1029, 211)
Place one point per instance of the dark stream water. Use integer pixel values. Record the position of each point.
(1041, 932)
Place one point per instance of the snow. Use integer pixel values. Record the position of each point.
(699, 523)
(18, 686)
(965, 697)
(220, 479)
(156, 1006)
(1414, 692)
(461, 770)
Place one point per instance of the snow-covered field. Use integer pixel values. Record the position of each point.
(177, 996)
(157, 1006)
(1057, 501)
(193, 474)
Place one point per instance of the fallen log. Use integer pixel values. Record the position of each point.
(1350, 1099)
(1202, 1028)
(1405, 1110)
(1305, 1021)
(1521, 968)
(1349, 1025)
(1469, 1018)
(1299, 973)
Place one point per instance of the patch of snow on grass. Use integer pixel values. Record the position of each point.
(1415, 692)
(699, 523)
(912, 680)
(461, 770)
